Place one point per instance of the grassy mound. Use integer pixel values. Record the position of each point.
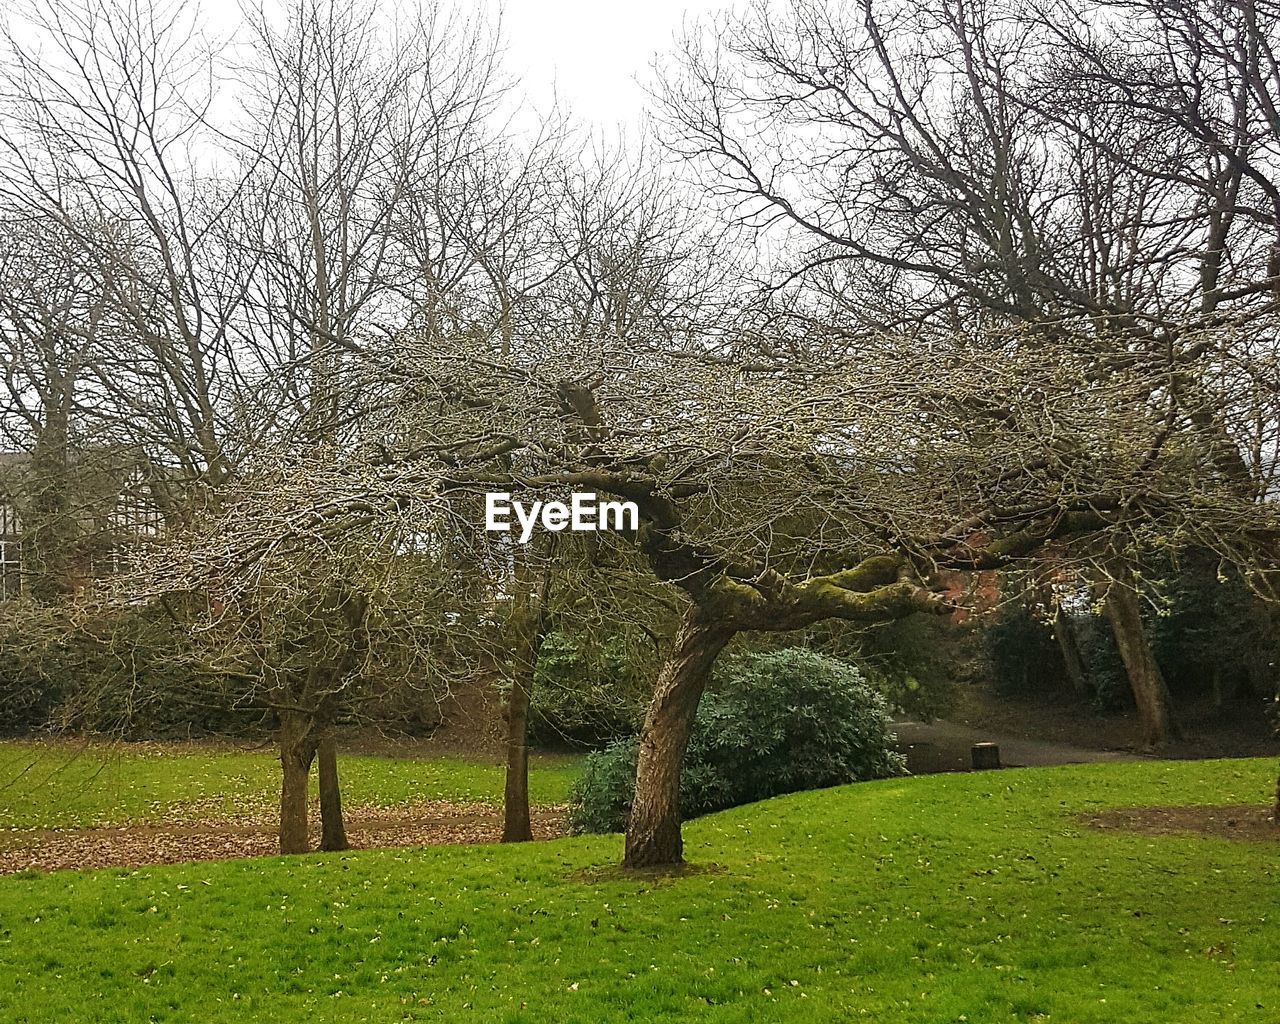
(978, 898)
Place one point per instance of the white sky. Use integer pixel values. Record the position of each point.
(587, 54)
(591, 53)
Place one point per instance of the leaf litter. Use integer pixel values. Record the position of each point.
(193, 833)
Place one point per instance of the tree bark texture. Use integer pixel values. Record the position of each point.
(517, 826)
(530, 619)
(333, 832)
(1150, 693)
(653, 830)
(297, 749)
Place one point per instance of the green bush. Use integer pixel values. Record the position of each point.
(36, 670)
(123, 672)
(601, 799)
(773, 723)
(585, 696)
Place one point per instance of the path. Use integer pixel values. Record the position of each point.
(942, 746)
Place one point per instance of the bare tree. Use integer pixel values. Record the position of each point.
(233, 266)
(105, 110)
(971, 455)
(978, 166)
(51, 312)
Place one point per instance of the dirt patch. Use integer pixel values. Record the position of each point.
(195, 838)
(1245, 822)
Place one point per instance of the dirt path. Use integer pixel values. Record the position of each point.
(192, 837)
(941, 746)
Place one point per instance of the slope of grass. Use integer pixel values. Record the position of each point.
(74, 784)
(960, 898)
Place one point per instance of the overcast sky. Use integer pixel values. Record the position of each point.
(591, 51)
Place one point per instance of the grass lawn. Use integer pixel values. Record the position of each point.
(956, 898)
(69, 784)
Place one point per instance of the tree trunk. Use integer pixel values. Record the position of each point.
(47, 522)
(1149, 690)
(530, 620)
(333, 832)
(297, 749)
(653, 830)
(1065, 632)
(516, 824)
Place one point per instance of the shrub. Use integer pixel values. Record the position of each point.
(601, 800)
(36, 669)
(585, 696)
(124, 672)
(773, 723)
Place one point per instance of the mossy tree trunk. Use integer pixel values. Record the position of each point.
(875, 590)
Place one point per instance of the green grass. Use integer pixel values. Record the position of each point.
(957, 898)
(72, 784)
